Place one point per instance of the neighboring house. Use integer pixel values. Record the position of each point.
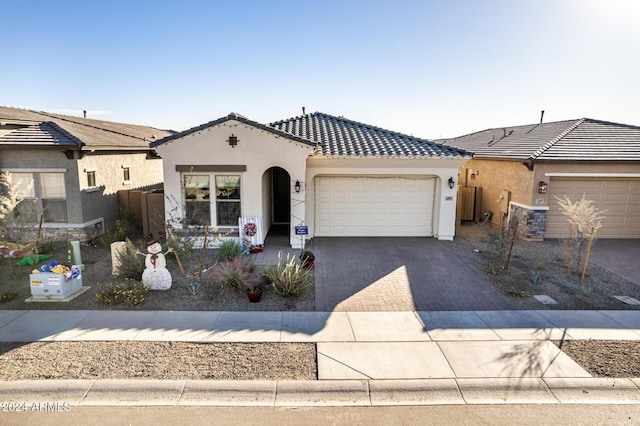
(74, 167)
(527, 168)
(336, 176)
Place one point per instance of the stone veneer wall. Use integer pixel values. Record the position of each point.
(533, 222)
(83, 234)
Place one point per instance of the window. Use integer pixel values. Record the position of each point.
(126, 174)
(227, 200)
(24, 186)
(23, 183)
(198, 203)
(54, 197)
(91, 178)
(197, 195)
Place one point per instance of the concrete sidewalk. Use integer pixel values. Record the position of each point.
(364, 358)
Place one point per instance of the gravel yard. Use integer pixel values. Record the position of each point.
(158, 360)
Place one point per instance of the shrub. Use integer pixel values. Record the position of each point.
(516, 293)
(45, 246)
(237, 273)
(130, 293)
(288, 277)
(492, 267)
(108, 238)
(7, 296)
(125, 226)
(229, 250)
(131, 265)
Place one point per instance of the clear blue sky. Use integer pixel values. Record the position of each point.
(428, 68)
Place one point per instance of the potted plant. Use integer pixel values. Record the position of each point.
(307, 259)
(254, 294)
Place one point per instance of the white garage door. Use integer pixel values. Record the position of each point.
(373, 206)
(620, 197)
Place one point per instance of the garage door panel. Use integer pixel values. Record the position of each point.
(368, 206)
(619, 197)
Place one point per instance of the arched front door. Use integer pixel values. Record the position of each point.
(281, 195)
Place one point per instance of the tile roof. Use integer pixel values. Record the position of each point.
(583, 139)
(339, 137)
(336, 136)
(231, 116)
(42, 134)
(95, 134)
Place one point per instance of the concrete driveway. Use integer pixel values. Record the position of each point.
(398, 274)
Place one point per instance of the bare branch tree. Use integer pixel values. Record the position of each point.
(584, 221)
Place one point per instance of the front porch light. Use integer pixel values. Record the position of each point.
(542, 187)
(451, 183)
(297, 186)
(233, 141)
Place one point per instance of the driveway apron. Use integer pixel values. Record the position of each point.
(398, 274)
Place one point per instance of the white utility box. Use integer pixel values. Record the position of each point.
(50, 286)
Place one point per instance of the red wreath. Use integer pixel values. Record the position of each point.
(250, 229)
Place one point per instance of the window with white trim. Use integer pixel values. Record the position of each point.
(227, 200)
(201, 209)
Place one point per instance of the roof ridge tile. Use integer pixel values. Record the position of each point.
(555, 140)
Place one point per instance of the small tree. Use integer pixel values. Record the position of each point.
(508, 236)
(189, 236)
(584, 221)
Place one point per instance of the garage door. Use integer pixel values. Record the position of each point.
(620, 197)
(374, 206)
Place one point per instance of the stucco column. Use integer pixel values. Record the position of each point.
(445, 221)
(298, 206)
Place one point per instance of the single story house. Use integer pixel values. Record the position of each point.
(335, 176)
(74, 167)
(528, 168)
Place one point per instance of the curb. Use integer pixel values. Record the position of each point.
(330, 393)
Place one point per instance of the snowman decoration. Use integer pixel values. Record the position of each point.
(156, 275)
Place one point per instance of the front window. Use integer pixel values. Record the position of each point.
(54, 197)
(23, 185)
(228, 200)
(197, 195)
(126, 174)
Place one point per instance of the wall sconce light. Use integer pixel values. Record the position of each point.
(233, 141)
(451, 183)
(542, 187)
(297, 186)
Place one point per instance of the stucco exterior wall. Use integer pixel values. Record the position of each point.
(497, 176)
(89, 212)
(445, 198)
(257, 149)
(102, 200)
